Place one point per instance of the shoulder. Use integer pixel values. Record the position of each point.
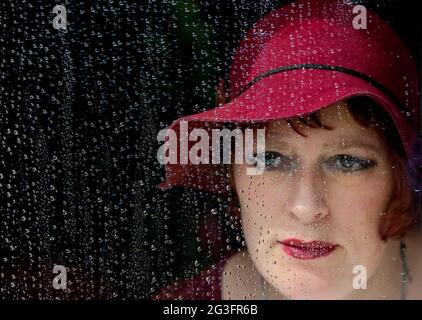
(204, 286)
(239, 278)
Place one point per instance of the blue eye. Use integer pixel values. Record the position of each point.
(275, 160)
(348, 163)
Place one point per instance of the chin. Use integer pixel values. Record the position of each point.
(306, 286)
(313, 293)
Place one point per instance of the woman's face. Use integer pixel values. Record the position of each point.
(314, 214)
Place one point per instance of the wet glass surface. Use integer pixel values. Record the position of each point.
(80, 110)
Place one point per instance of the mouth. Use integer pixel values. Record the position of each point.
(307, 250)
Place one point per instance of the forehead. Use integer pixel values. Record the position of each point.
(335, 115)
(344, 129)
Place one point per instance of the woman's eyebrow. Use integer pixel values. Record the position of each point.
(345, 144)
(279, 144)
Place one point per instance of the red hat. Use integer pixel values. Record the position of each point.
(303, 57)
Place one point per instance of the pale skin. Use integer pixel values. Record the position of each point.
(332, 186)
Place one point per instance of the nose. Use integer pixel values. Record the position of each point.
(308, 203)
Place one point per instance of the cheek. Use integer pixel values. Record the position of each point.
(356, 213)
(259, 205)
(360, 206)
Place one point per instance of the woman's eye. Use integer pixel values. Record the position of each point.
(275, 160)
(348, 163)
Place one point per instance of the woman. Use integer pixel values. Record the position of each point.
(335, 213)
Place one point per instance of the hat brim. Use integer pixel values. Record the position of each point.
(279, 96)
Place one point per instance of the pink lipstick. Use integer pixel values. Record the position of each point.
(307, 250)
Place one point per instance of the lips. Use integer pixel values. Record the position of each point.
(307, 250)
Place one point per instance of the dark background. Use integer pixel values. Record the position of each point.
(80, 111)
